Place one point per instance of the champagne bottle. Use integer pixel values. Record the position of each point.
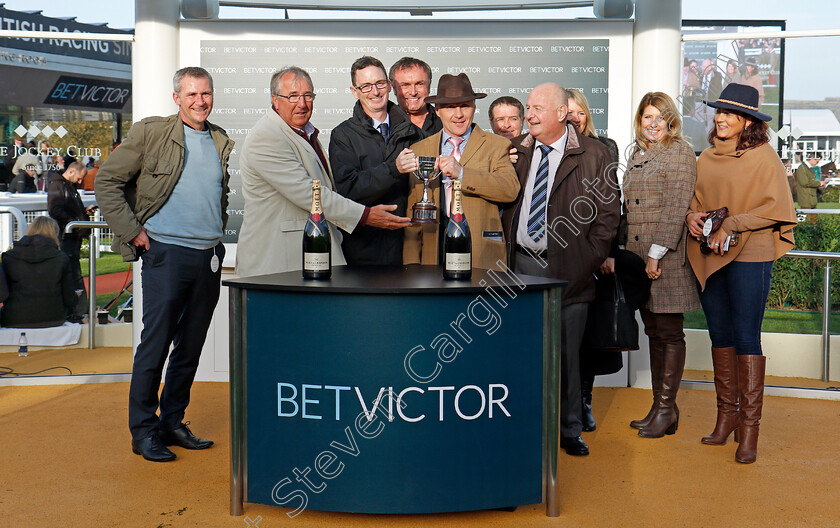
(457, 243)
(317, 259)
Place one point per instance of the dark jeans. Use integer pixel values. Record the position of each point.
(72, 247)
(180, 293)
(734, 301)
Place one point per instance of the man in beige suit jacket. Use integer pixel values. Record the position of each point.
(280, 158)
(480, 160)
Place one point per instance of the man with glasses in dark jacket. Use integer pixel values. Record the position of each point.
(372, 163)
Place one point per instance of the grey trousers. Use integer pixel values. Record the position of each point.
(572, 325)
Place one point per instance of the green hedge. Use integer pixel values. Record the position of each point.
(832, 194)
(797, 282)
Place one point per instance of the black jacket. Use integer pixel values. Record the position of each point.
(432, 125)
(8, 162)
(65, 205)
(23, 183)
(364, 168)
(40, 284)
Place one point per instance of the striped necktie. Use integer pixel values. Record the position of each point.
(539, 197)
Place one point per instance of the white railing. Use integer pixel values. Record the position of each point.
(823, 154)
(35, 204)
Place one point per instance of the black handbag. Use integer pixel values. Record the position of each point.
(611, 324)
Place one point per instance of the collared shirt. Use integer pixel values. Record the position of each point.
(310, 134)
(308, 129)
(376, 123)
(558, 149)
(446, 148)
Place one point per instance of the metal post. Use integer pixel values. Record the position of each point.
(826, 329)
(551, 399)
(154, 60)
(92, 295)
(78, 224)
(237, 403)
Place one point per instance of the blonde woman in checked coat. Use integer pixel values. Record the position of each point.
(658, 188)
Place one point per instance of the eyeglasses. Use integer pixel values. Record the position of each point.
(366, 88)
(295, 98)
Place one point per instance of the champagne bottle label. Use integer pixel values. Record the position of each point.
(316, 261)
(458, 261)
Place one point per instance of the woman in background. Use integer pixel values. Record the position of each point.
(593, 362)
(39, 279)
(732, 74)
(580, 116)
(742, 172)
(752, 78)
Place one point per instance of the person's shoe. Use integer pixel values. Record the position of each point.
(152, 449)
(574, 446)
(183, 437)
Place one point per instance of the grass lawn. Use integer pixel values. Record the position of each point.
(821, 205)
(106, 263)
(104, 298)
(780, 321)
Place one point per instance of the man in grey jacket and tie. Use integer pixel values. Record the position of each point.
(280, 158)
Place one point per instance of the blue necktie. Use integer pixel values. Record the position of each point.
(385, 129)
(539, 197)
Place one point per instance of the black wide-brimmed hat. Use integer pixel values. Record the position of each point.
(454, 89)
(740, 98)
(631, 271)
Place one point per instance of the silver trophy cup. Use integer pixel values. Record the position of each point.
(425, 211)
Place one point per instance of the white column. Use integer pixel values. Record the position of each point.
(154, 61)
(657, 67)
(657, 52)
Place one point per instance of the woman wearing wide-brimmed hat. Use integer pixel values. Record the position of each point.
(742, 172)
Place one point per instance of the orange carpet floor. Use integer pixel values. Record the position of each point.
(67, 462)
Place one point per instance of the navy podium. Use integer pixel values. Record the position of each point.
(393, 390)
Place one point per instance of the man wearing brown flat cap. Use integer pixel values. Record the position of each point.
(480, 160)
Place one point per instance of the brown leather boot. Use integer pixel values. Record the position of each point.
(751, 384)
(656, 370)
(665, 418)
(726, 387)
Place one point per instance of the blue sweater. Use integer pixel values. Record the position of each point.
(192, 216)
